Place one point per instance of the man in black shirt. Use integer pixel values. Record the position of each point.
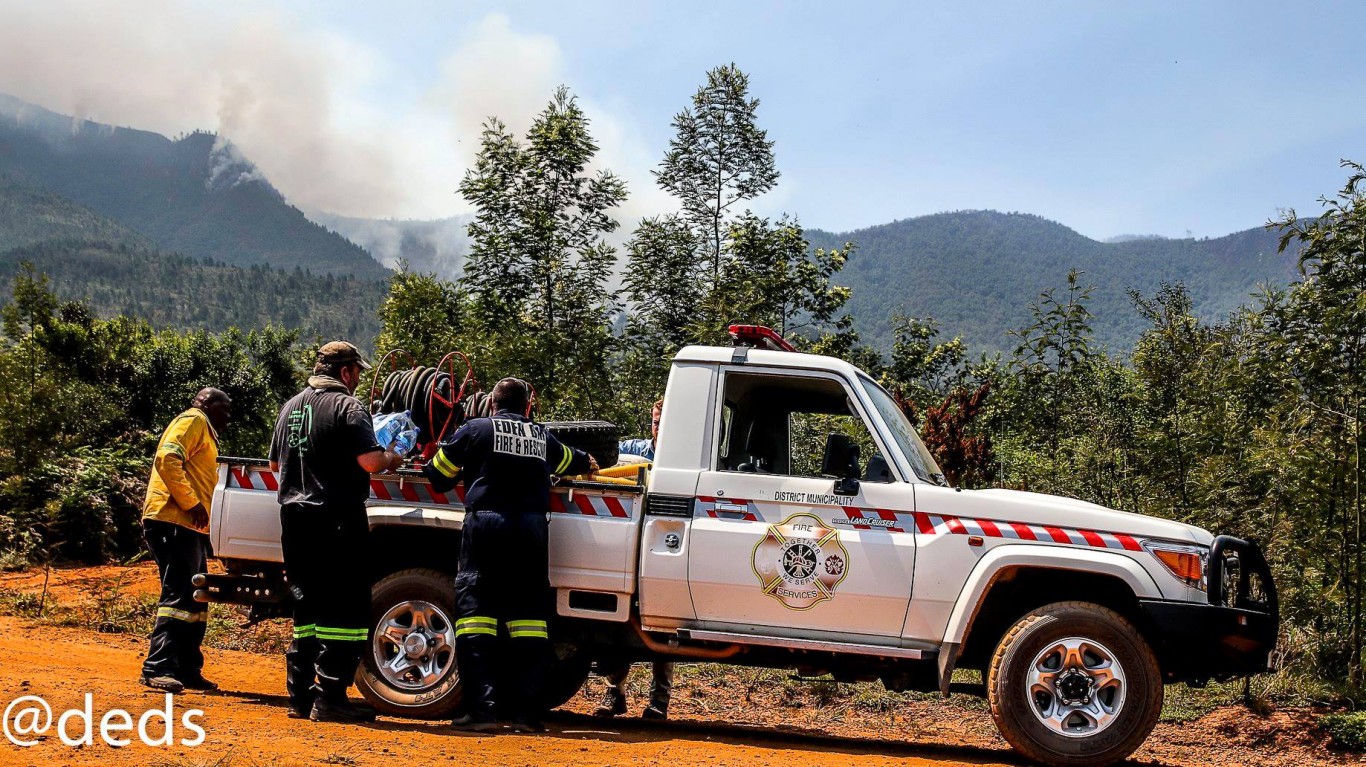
(324, 450)
(506, 462)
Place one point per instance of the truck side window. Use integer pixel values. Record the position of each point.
(779, 424)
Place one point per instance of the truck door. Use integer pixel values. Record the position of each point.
(774, 549)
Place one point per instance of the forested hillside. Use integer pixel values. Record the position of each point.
(973, 271)
(116, 272)
(977, 271)
(195, 195)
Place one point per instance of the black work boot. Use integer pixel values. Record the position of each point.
(658, 709)
(471, 723)
(613, 703)
(325, 710)
(526, 724)
(198, 682)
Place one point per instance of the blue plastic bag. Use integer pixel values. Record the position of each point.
(396, 432)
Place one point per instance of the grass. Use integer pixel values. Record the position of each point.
(111, 610)
(1348, 730)
(226, 760)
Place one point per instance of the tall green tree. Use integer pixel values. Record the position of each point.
(1167, 360)
(538, 266)
(1325, 326)
(772, 277)
(718, 157)
(423, 315)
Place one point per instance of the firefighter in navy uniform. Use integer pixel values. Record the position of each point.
(324, 449)
(506, 462)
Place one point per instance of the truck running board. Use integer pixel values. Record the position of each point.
(806, 644)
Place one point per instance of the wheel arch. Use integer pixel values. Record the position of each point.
(1012, 580)
(399, 543)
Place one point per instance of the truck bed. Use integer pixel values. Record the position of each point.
(594, 526)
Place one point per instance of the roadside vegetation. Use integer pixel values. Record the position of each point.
(1248, 425)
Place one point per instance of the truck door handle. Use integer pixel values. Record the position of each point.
(731, 510)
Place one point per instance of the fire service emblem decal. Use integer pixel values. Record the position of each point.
(800, 561)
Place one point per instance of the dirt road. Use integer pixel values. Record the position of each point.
(719, 720)
(246, 722)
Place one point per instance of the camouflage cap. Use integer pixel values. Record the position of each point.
(341, 353)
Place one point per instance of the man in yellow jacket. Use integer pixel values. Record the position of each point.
(175, 521)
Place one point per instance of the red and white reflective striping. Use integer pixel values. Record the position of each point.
(418, 491)
(885, 520)
(933, 524)
(591, 505)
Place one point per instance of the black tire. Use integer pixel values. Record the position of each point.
(1013, 706)
(431, 702)
(565, 676)
(597, 438)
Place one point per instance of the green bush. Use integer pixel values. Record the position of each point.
(1348, 730)
(96, 507)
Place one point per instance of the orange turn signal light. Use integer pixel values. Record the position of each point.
(1184, 565)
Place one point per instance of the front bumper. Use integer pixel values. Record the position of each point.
(1234, 633)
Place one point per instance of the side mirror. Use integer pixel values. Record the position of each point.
(841, 462)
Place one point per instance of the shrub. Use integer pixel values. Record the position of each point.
(1348, 730)
(96, 507)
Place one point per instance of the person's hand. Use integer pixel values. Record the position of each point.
(395, 460)
(592, 464)
(199, 516)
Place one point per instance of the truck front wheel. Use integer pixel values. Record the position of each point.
(1074, 684)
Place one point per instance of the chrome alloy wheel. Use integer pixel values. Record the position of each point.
(1076, 687)
(414, 645)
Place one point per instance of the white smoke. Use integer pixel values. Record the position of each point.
(314, 112)
(228, 167)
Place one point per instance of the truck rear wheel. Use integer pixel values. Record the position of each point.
(408, 668)
(1074, 684)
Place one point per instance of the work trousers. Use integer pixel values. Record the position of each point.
(180, 553)
(661, 685)
(325, 561)
(502, 596)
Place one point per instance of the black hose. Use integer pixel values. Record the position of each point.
(412, 390)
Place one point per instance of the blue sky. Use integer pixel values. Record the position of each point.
(1109, 117)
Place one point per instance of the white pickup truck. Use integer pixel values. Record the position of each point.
(758, 538)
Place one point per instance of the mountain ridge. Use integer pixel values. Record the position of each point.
(976, 273)
(195, 195)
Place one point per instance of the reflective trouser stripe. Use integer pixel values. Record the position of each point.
(305, 632)
(527, 630)
(565, 461)
(182, 615)
(444, 464)
(476, 625)
(342, 635)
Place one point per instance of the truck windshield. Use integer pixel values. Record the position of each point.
(922, 463)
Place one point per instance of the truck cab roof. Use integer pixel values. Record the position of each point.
(725, 355)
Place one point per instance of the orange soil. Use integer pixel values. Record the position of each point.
(246, 722)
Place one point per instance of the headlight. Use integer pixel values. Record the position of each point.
(1184, 561)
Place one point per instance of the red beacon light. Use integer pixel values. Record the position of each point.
(759, 337)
